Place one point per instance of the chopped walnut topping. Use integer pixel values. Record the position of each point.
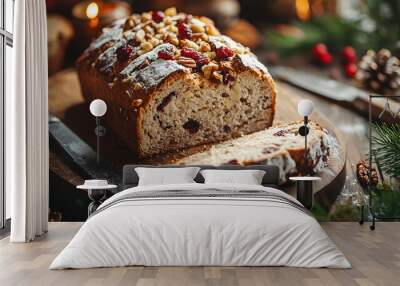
(187, 62)
(146, 46)
(211, 30)
(155, 42)
(218, 76)
(173, 29)
(197, 28)
(139, 37)
(168, 21)
(130, 23)
(189, 44)
(137, 86)
(208, 69)
(205, 47)
(172, 39)
(170, 11)
(210, 55)
(200, 36)
(146, 16)
(206, 20)
(128, 34)
(149, 30)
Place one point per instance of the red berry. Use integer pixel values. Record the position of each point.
(321, 53)
(319, 50)
(351, 70)
(184, 31)
(157, 16)
(165, 55)
(224, 52)
(349, 55)
(124, 53)
(326, 59)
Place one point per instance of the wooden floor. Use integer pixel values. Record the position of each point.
(375, 257)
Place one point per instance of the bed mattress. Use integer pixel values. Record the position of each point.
(201, 225)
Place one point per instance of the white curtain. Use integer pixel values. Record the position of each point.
(27, 124)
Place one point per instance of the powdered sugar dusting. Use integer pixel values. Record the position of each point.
(150, 56)
(153, 74)
(112, 34)
(108, 58)
(251, 61)
(225, 41)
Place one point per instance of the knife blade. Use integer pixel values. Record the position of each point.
(331, 89)
(79, 154)
(346, 95)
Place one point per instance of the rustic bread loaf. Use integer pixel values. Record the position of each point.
(171, 81)
(281, 146)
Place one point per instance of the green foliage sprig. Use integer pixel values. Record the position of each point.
(386, 148)
(337, 32)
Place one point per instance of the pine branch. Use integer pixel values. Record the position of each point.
(386, 148)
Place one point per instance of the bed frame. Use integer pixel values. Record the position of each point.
(130, 179)
(271, 178)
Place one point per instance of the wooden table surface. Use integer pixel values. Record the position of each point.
(66, 102)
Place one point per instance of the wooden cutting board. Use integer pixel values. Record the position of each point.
(66, 102)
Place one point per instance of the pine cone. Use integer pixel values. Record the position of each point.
(380, 72)
(363, 174)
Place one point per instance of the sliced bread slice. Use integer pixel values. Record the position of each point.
(281, 145)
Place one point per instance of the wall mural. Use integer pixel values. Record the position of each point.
(219, 82)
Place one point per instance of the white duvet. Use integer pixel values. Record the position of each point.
(190, 231)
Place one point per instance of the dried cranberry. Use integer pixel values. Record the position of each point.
(192, 126)
(227, 77)
(187, 18)
(165, 101)
(198, 57)
(190, 53)
(281, 133)
(224, 52)
(184, 31)
(165, 55)
(196, 69)
(124, 53)
(157, 16)
(202, 60)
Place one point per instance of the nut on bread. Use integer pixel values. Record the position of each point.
(172, 81)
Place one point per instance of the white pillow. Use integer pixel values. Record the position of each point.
(248, 177)
(163, 176)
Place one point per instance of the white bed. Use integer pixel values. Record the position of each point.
(224, 225)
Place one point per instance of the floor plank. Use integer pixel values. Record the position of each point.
(375, 257)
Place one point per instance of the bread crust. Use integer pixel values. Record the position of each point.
(127, 105)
